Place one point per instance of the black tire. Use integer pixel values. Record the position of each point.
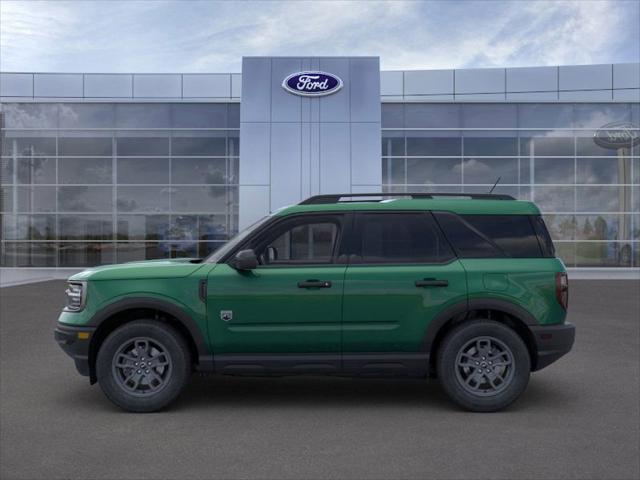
(157, 380)
(467, 350)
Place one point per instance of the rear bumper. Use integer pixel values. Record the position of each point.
(75, 343)
(552, 342)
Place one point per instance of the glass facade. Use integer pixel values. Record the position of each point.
(95, 183)
(589, 194)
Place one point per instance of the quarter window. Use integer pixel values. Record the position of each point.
(490, 236)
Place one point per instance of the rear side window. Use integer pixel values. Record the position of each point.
(400, 238)
(489, 236)
(548, 250)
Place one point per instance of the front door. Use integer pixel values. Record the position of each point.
(285, 314)
(401, 275)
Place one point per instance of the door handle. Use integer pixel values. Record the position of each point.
(432, 282)
(314, 284)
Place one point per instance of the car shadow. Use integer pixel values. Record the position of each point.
(211, 392)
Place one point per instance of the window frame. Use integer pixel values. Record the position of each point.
(273, 229)
(505, 255)
(356, 232)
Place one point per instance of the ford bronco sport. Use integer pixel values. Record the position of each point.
(465, 288)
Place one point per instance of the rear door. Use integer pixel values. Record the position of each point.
(401, 274)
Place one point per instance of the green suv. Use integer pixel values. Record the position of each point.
(465, 288)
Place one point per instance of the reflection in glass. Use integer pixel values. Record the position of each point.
(199, 146)
(487, 170)
(603, 170)
(603, 254)
(434, 170)
(6, 199)
(603, 227)
(429, 115)
(544, 115)
(178, 249)
(143, 227)
(36, 199)
(30, 115)
(79, 254)
(85, 170)
(204, 199)
(29, 146)
(36, 170)
(29, 254)
(143, 170)
(143, 199)
(547, 146)
(28, 227)
(143, 115)
(392, 144)
(199, 115)
(200, 170)
(85, 227)
(392, 115)
(561, 227)
(85, 199)
(393, 170)
(87, 115)
(490, 146)
(142, 146)
(554, 170)
(598, 199)
(84, 174)
(433, 146)
(78, 146)
(595, 115)
(588, 147)
(566, 251)
(554, 199)
(135, 251)
(489, 116)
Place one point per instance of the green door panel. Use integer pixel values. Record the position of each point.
(271, 314)
(526, 282)
(384, 311)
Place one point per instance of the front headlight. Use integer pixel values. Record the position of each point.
(76, 293)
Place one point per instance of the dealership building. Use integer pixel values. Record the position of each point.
(109, 168)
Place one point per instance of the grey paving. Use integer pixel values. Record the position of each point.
(578, 419)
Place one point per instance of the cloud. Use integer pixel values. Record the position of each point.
(142, 36)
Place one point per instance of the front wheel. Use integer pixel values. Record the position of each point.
(483, 365)
(143, 366)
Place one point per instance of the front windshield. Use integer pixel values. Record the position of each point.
(234, 241)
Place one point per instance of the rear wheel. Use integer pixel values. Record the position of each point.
(483, 365)
(143, 366)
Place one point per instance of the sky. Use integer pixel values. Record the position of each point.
(209, 36)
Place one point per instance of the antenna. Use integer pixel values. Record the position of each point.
(495, 184)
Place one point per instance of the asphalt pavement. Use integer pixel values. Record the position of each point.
(578, 419)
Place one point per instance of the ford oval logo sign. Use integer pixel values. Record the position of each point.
(617, 135)
(312, 84)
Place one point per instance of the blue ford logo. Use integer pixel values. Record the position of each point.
(312, 84)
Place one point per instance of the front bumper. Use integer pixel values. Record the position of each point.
(552, 342)
(75, 343)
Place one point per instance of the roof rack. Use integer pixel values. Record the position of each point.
(336, 197)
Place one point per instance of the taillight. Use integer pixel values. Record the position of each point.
(562, 289)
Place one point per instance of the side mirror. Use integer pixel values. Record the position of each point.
(245, 260)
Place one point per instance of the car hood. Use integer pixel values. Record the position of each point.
(175, 268)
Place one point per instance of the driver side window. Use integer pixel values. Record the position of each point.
(306, 243)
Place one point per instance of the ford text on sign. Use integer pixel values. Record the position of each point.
(312, 84)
